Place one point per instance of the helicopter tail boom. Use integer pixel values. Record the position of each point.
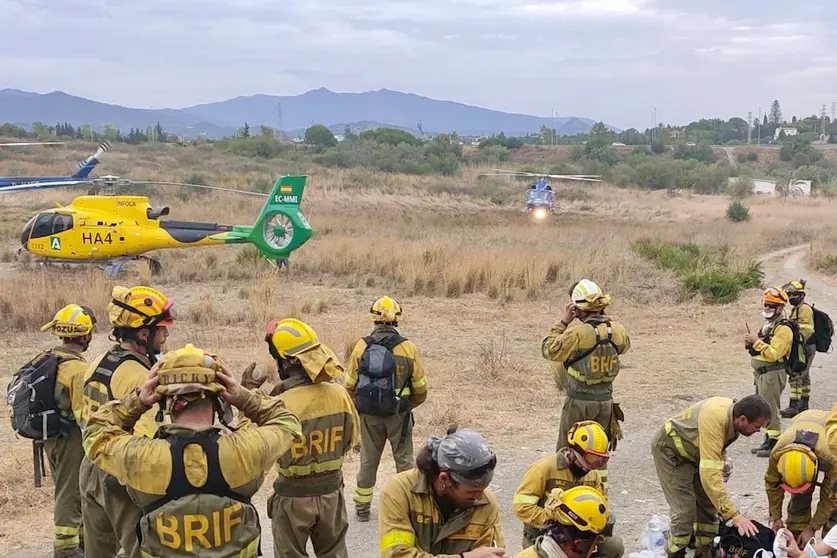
(280, 227)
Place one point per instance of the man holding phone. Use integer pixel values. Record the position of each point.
(590, 354)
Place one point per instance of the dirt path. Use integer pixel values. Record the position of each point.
(634, 491)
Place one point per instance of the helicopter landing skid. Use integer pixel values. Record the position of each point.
(114, 267)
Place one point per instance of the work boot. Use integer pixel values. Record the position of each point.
(765, 452)
(803, 404)
(362, 512)
(764, 445)
(792, 409)
(64, 553)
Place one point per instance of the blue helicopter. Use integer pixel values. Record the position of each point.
(81, 176)
(540, 197)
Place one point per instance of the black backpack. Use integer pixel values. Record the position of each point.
(796, 361)
(730, 544)
(823, 330)
(31, 395)
(377, 376)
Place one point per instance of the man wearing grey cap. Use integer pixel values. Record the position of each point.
(443, 507)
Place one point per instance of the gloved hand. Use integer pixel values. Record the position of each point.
(553, 502)
(248, 378)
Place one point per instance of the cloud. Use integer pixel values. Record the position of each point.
(615, 60)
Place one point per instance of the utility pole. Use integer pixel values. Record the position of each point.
(279, 110)
(759, 126)
(749, 127)
(822, 122)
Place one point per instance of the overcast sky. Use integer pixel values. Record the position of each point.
(614, 60)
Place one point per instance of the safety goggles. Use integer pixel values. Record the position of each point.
(478, 474)
(799, 489)
(596, 459)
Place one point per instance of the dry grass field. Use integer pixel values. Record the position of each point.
(479, 282)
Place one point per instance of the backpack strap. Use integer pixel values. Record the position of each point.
(107, 366)
(179, 485)
(599, 341)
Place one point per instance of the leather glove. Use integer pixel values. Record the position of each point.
(248, 378)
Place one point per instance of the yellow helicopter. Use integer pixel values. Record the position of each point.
(113, 230)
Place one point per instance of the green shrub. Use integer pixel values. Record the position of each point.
(737, 212)
(752, 156)
(741, 158)
(710, 272)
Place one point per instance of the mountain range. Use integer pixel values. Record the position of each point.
(292, 114)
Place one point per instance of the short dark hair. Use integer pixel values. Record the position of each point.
(753, 407)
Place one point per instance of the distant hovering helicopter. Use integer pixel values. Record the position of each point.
(540, 198)
(113, 230)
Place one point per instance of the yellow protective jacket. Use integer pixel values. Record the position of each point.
(67, 396)
(803, 315)
(146, 467)
(410, 524)
(110, 377)
(408, 367)
(814, 422)
(545, 474)
(769, 353)
(700, 435)
(590, 374)
(313, 465)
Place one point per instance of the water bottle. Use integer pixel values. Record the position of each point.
(655, 535)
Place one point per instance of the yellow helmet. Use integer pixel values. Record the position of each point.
(587, 295)
(797, 468)
(71, 321)
(289, 337)
(583, 507)
(589, 439)
(139, 307)
(385, 310)
(794, 287)
(188, 370)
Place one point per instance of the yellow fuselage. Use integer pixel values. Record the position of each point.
(106, 227)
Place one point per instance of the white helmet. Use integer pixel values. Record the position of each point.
(584, 289)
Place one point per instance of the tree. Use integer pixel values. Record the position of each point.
(775, 112)
(793, 119)
(320, 137)
(765, 121)
(244, 131)
(599, 136)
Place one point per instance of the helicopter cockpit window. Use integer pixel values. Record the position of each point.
(62, 223)
(43, 225)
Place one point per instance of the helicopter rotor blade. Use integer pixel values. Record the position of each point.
(27, 143)
(41, 185)
(128, 181)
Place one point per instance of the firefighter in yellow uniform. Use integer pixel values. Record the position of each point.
(769, 349)
(800, 454)
(140, 318)
(577, 517)
(589, 353)
(689, 454)
(192, 482)
(803, 315)
(443, 507)
(73, 324)
(574, 465)
(385, 408)
(307, 499)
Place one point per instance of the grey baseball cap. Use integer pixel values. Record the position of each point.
(466, 455)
